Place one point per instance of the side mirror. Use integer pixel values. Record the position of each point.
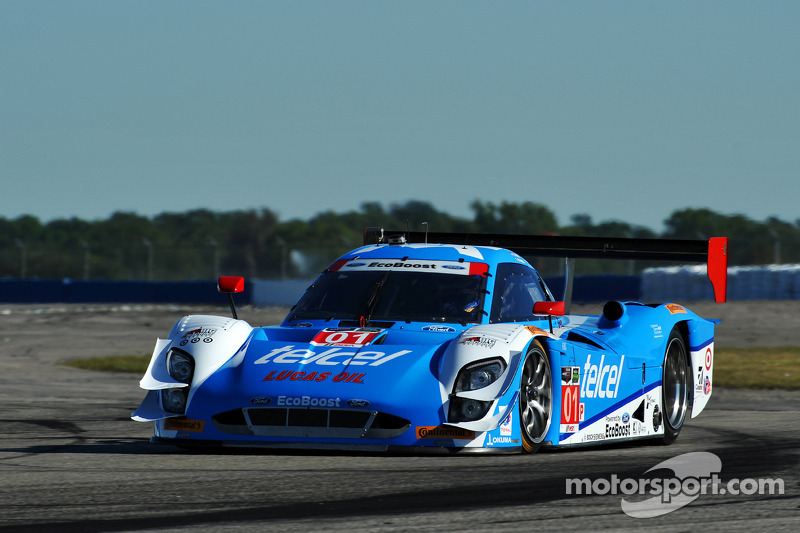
(548, 308)
(230, 285)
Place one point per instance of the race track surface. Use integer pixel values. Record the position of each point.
(72, 460)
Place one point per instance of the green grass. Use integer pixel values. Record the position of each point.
(739, 368)
(121, 363)
(757, 368)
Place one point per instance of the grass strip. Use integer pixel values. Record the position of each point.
(757, 368)
(736, 368)
(119, 363)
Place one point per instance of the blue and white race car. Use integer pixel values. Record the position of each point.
(406, 345)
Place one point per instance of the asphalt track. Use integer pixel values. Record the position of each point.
(72, 460)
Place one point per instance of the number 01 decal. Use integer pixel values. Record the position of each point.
(570, 404)
(345, 337)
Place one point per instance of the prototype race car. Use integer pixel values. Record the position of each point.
(406, 345)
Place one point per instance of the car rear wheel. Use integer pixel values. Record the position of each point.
(674, 387)
(535, 398)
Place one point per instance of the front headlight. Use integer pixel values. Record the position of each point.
(180, 366)
(466, 410)
(474, 376)
(479, 374)
(174, 400)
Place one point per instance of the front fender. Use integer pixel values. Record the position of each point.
(505, 341)
(211, 341)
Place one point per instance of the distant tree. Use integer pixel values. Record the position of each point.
(248, 232)
(17, 239)
(190, 227)
(117, 245)
(785, 240)
(414, 213)
(28, 228)
(582, 220)
(371, 214)
(201, 243)
(582, 226)
(513, 218)
(700, 224)
(187, 245)
(749, 242)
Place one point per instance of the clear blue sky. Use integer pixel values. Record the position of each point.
(621, 110)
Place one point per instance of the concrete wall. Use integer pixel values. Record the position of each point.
(680, 283)
(91, 291)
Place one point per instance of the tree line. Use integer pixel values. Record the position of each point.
(202, 244)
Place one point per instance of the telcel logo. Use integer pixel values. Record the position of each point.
(601, 381)
(331, 357)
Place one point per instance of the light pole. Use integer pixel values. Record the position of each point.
(23, 269)
(149, 246)
(776, 246)
(86, 254)
(284, 256)
(214, 244)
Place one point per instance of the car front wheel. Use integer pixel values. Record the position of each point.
(535, 398)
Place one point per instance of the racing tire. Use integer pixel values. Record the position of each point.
(674, 387)
(535, 398)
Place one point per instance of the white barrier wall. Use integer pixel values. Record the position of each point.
(690, 283)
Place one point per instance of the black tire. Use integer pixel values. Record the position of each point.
(675, 380)
(535, 398)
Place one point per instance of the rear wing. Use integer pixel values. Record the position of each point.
(713, 252)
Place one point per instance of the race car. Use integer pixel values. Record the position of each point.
(440, 342)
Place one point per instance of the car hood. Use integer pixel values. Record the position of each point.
(394, 371)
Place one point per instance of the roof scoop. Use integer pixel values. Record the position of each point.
(614, 315)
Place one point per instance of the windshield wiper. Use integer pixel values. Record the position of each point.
(372, 301)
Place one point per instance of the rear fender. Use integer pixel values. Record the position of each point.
(697, 332)
(700, 338)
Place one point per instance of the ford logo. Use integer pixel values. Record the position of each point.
(441, 329)
(358, 403)
(261, 400)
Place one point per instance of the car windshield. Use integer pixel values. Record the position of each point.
(391, 295)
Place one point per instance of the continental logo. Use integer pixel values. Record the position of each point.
(443, 432)
(675, 308)
(536, 331)
(184, 424)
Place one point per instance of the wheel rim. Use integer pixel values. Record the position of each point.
(536, 396)
(674, 382)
